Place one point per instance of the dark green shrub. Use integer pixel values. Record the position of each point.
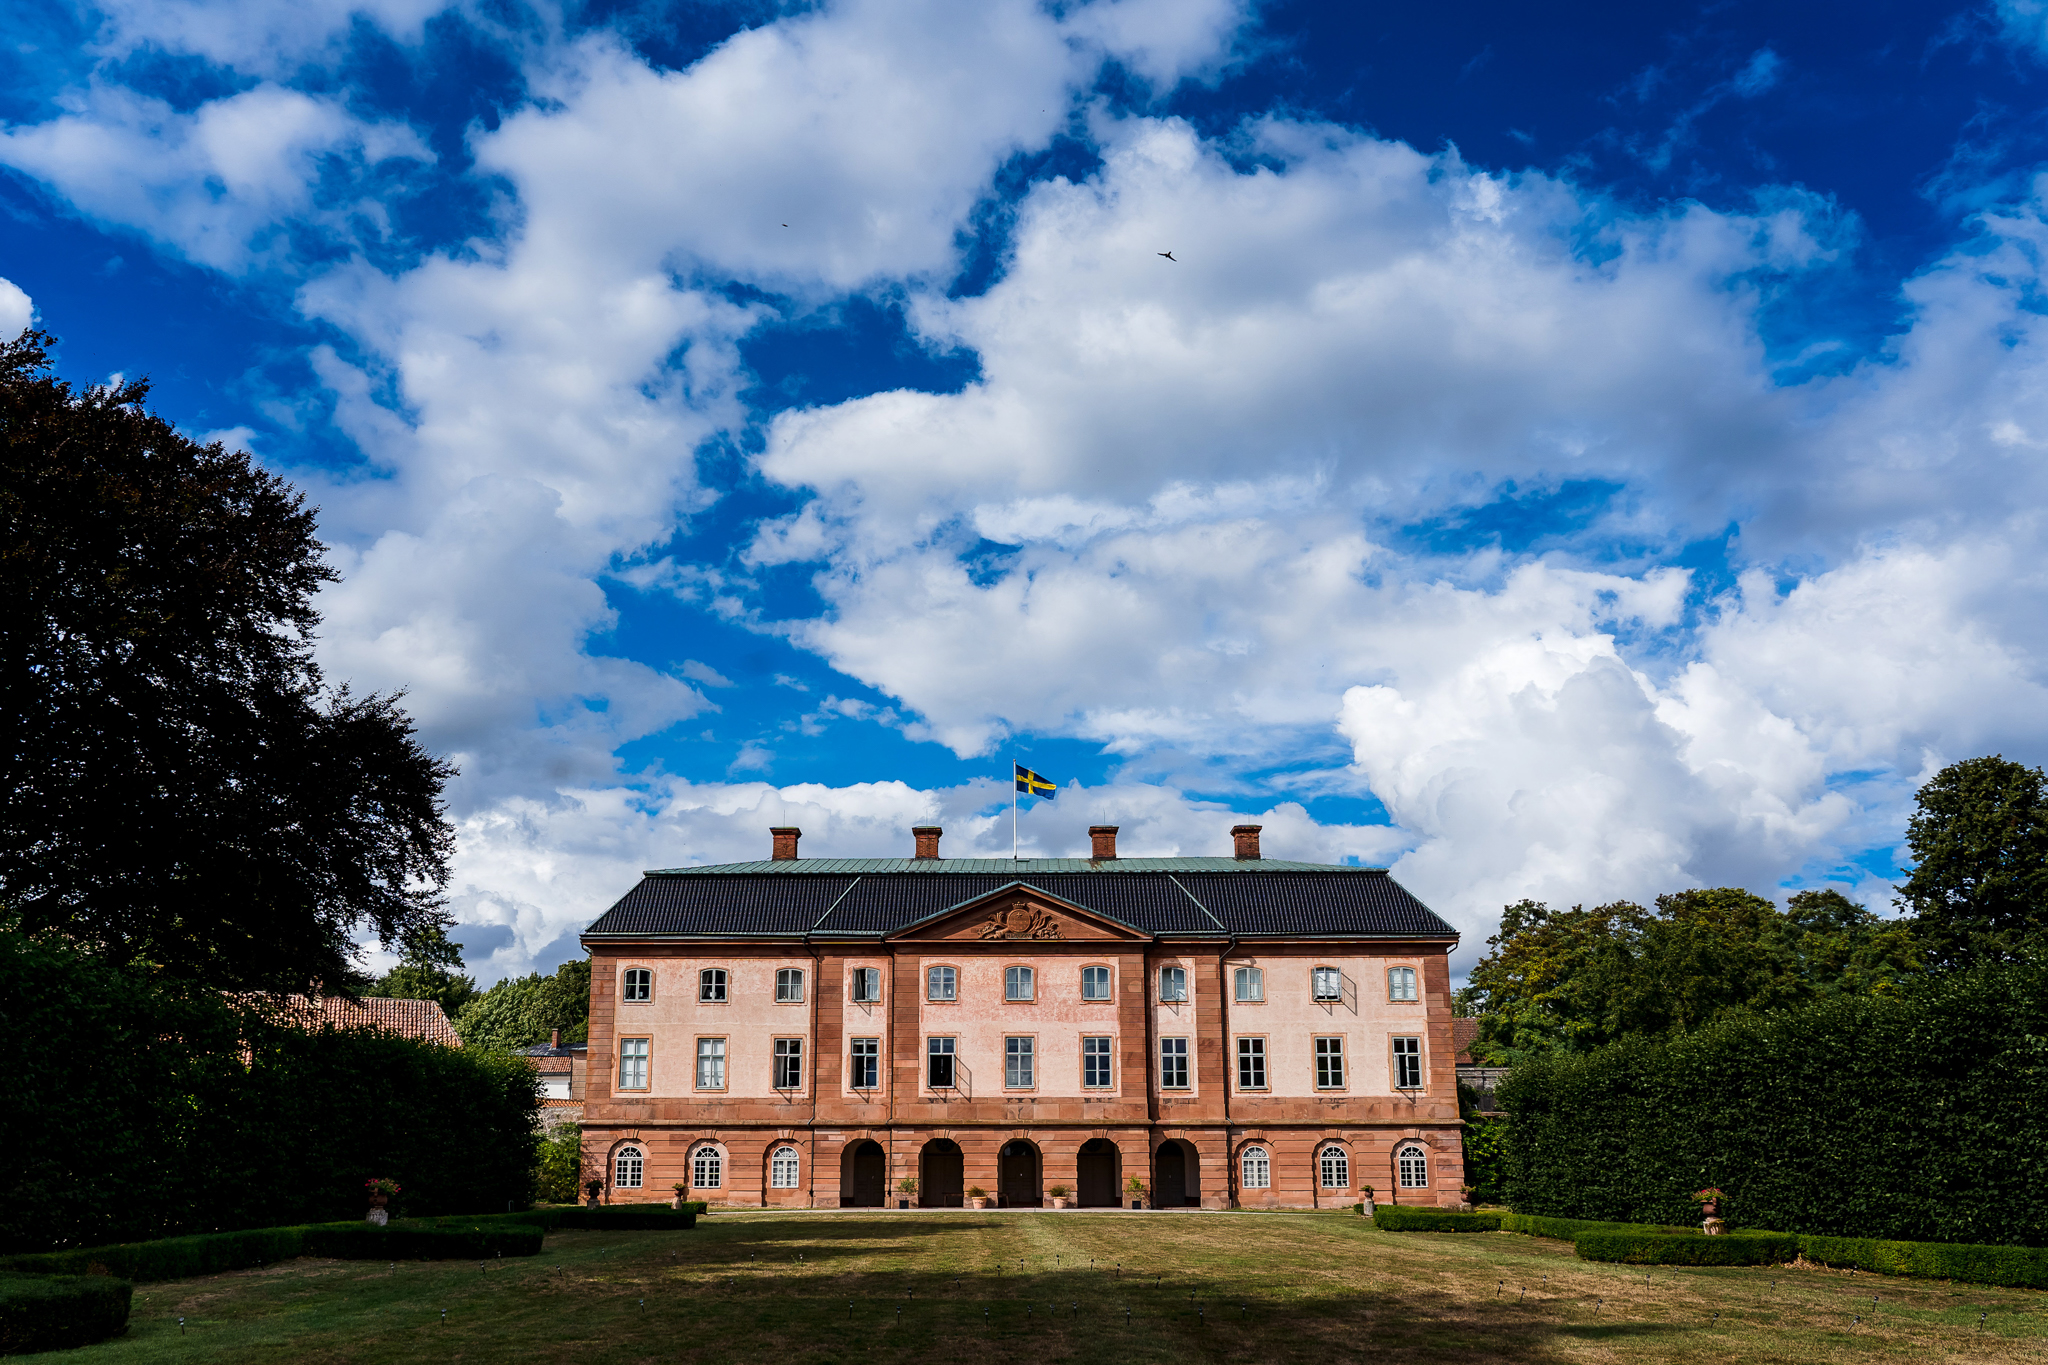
(1534, 1225)
(1415, 1218)
(52, 1312)
(1686, 1248)
(2017, 1267)
(171, 1258)
(421, 1242)
(1917, 1115)
(696, 1206)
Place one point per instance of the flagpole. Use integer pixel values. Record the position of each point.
(1013, 810)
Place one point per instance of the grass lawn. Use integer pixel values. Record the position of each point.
(885, 1286)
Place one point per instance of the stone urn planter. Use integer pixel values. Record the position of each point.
(1058, 1195)
(977, 1204)
(1365, 1206)
(1059, 1201)
(592, 1188)
(380, 1191)
(1711, 1221)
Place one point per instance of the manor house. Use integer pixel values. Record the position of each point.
(1228, 1032)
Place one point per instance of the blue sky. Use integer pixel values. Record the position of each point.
(1573, 453)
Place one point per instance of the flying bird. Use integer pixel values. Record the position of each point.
(1167, 254)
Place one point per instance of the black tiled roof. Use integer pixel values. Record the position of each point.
(1287, 899)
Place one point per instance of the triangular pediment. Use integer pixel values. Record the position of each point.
(1019, 913)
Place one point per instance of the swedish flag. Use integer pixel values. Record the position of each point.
(1031, 784)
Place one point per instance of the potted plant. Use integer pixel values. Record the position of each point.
(1137, 1192)
(682, 1194)
(1059, 1195)
(380, 1189)
(907, 1187)
(593, 1188)
(1465, 1201)
(1710, 1201)
(1365, 1195)
(977, 1197)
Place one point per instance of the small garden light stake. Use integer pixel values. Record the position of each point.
(181, 1327)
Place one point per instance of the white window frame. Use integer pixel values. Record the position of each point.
(935, 1048)
(629, 1168)
(789, 1064)
(1407, 1062)
(1333, 1168)
(712, 986)
(1251, 1057)
(789, 985)
(636, 1062)
(1254, 1169)
(1411, 1164)
(1173, 985)
(941, 984)
(1098, 1069)
(866, 1063)
(1401, 985)
(867, 985)
(1020, 1062)
(1326, 984)
(707, 1169)
(711, 1063)
(1096, 983)
(783, 1168)
(1329, 1063)
(1173, 1063)
(1249, 985)
(1020, 985)
(637, 987)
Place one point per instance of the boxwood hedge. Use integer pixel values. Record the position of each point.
(1686, 1248)
(53, 1312)
(2018, 1267)
(1415, 1218)
(1535, 1225)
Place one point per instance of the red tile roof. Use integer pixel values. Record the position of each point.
(1464, 1032)
(421, 1019)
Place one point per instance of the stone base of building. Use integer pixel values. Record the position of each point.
(1196, 1167)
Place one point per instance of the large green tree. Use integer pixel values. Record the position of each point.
(523, 1011)
(429, 968)
(1978, 889)
(178, 785)
(1563, 981)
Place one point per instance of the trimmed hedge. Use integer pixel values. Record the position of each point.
(1918, 1115)
(2015, 1267)
(52, 1312)
(171, 1258)
(408, 1242)
(1413, 1218)
(1686, 1248)
(1535, 1225)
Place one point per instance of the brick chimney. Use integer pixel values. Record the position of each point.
(785, 843)
(1104, 839)
(1246, 837)
(927, 839)
(555, 1040)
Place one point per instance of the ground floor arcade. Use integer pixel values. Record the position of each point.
(1027, 1167)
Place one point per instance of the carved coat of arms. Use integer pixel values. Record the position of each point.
(1019, 921)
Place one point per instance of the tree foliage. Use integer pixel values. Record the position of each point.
(522, 1011)
(177, 783)
(428, 969)
(1573, 980)
(1979, 888)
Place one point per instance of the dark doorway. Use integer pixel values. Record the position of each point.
(1017, 1177)
(941, 1169)
(1095, 1175)
(1170, 1179)
(863, 1173)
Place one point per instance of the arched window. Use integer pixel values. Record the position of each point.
(711, 985)
(1414, 1168)
(1095, 983)
(782, 1169)
(628, 1167)
(707, 1171)
(1255, 1169)
(789, 986)
(939, 983)
(639, 987)
(1400, 983)
(1173, 983)
(1335, 1169)
(1017, 983)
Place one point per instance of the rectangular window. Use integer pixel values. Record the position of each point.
(633, 1063)
(939, 1063)
(867, 985)
(1173, 984)
(1329, 1063)
(1173, 1063)
(866, 1069)
(1329, 984)
(1017, 1059)
(639, 987)
(711, 1063)
(1251, 984)
(789, 986)
(1095, 1063)
(1095, 983)
(711, 985)
(939, 983)
(1018, 983)
(1400, 983)
(1407, 1064)
(789, 1063)
(1251, 1064)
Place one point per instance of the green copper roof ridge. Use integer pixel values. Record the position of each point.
(859, 867)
